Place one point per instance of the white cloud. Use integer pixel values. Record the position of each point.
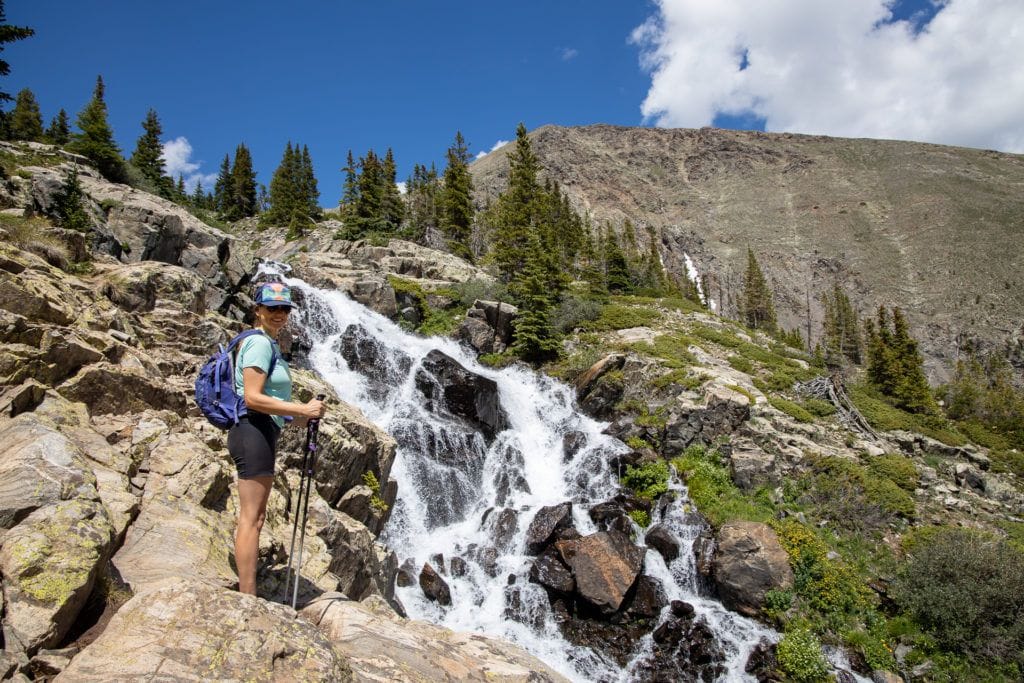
(840, 68)
(569, 53)
(401, 187)
(177, 157)
(499, 143)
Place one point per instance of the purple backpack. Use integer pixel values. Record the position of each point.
(215, 385)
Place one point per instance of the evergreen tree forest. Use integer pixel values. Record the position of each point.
(96, 139)
(26, 122)
(294, 197)
(894, 365)
(842, 338)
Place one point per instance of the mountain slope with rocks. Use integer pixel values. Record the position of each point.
(935, 230)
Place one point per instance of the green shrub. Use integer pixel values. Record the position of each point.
(873, 648)
(370, 479)
(573, 311)
(711, 489)
(681, 304)
(818, 407)
(636, 443)
(1008, 461)
(899, 469)
(800, 657)
(672, 349)
(966, 589)
(619, 317)
(742, 364)
(648, 481)
(641, 517)
(496, 360)
(740, 390)
(790, 408)
(721, 337)
(682, 378)
(844, 492)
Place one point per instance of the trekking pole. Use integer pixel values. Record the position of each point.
(305, 484)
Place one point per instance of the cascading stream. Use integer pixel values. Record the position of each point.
(456, 488)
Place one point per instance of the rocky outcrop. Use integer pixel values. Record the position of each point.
(488, 326)
(748, 562)
(381, 647)
(187, 631)
(548, 521)
(452, 389)
(717, 413)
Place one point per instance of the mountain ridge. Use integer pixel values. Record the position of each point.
(930, 228)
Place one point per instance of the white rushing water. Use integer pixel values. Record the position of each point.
(454, 489)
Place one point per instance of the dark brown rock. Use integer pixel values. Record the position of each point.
(549, 571)
(605, 565)
(451, 388)
(662, 540)
(546, 523)
(749, 561)
(434, 587)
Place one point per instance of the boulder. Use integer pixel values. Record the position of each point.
(549, 571)
(137, 287)
(548, 521)
(585, 382)
(752, 467)
(479, 335)
(187, 631)
(49, 564)
(109, 388)
(37, 294)
(499, 316)
(664, 541)
(451, 388)
(748, 562)
(717, 413)
(360, 503)
(39, 467)
(362, 566)
(605, 566)
(648, 599)
(382, 647)
(434, 587)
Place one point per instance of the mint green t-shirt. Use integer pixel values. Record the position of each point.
(255, 352)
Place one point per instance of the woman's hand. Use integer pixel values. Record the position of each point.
(314, 409)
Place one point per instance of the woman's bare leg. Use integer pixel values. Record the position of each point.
(252, 504)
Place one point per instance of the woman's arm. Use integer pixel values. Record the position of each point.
(253, 380)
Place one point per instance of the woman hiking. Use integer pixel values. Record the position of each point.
(252, 442)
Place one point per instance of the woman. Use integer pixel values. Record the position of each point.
(253, 441)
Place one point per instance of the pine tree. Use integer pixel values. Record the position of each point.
(536, 339)
(516, 209)
(369, 216)
(284, 194)
(222, 187)
(457, 199)
(96, 141)
(59, 131)
(842, 339)
(148, 154)
(180, 193)
(242, 186)
(392, 206)
(308, 186)
(912, 391)
(350, 186)
(9, 34)
(423, 192)
(68, 204)
(198, 198)
(25, 122)
(758, 307)
(615, 264)
(895, 366)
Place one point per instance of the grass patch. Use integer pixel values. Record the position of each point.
(647, 481)
(618, 317)
(898, 469)
(1011, 462)
(887, 417)
(681, 377)
(673, 350)
(742, 364)
(790, 408)
(818, 407)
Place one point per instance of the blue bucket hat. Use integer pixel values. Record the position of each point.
(274, 294)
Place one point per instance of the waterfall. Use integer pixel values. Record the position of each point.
(462, 495)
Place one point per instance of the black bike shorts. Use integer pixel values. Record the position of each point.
(252, 444)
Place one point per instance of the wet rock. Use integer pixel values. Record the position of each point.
(434, 587)
(605, 565)
(549, 571)
(453, 389)
(748, 562)
(180, 631)
(682, 609)
(762, 663)
(546, 523)
(459, 567)
(648, 599)
(502, 527)
(572, 443)
(663, 541)
(406, 574)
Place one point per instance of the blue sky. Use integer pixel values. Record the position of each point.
(358, 75)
